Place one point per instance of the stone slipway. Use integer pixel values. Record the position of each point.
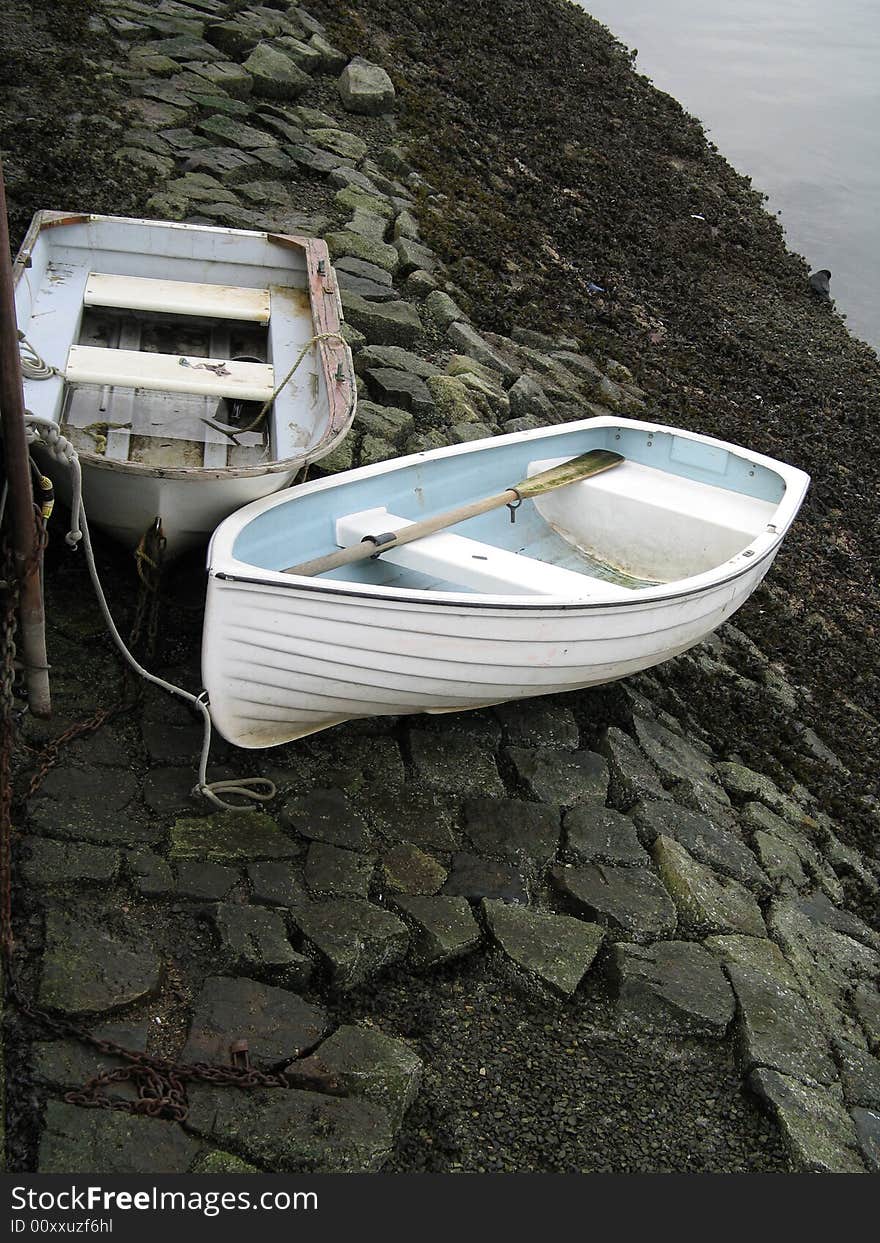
(502, 935)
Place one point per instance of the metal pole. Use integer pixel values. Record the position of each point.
(25, 531)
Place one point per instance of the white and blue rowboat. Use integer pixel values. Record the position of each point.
(153, 347)
(593, 581)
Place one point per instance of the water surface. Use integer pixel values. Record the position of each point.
(789, 91)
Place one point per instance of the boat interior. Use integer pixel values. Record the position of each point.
(676, 507)
(168, 341)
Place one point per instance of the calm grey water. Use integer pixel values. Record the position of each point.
(789, 91)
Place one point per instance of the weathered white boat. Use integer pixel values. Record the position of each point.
(155, 347)
(593, 581)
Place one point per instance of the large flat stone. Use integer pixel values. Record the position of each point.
(444, 928)
(512, 828)
(676, 759)
(93, 805)
(230, 837)
(400, 389)
(830, 965)
(860, 1075)
(347, 146)
(235, 134)
(673, 987)
(326, 816)
(277, 884)
(707, 841)
(254, 941)
(561, 777)
(448, 763)
(630, 901)
(365, 87)
(706, 903)
(332, 872)
(102, 1141)
(777, 1028)
(557, 949)
(413, 814)
(278, 1025)
(784, 846)
(818, 1131)
(475, 877)
(867, 1124)
(55, 865)
(757, 954)
(744, 785)
(468, 341)
(294, 1132)
(633, 776)
(356, 938)
(369, 1064)
(596, 834)
(408, 870)
(274, 74)
(539, 723)
(88, 969)
(385, 422)
(346, 244)
(382, 323)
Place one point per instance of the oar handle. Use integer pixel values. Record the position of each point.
(582, 467)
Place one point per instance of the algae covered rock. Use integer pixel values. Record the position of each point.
(230, 837)
(365, 88)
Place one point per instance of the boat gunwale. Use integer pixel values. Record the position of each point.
(453, 600)
(326, 311)
(222, 565)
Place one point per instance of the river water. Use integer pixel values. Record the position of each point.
(789, 92)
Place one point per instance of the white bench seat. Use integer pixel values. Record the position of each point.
(142, 293)
(173, 373)
(470, 563)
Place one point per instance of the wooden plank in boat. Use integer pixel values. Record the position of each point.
(144, 293)
(175, 373)
(470, 563)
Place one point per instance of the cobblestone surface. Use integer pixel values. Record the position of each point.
(571, 854)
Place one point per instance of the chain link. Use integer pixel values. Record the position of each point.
(149, 561)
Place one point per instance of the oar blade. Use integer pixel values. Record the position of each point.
(582, 467)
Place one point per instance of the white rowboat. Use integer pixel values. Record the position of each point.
(593, 581)
(153, 347)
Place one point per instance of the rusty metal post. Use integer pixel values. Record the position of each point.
(25, 531)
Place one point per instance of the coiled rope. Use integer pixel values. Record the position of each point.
(32, 365)
(255, 789)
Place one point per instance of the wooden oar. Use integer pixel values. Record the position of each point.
(592, 463)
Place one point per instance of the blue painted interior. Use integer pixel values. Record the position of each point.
(305, 526)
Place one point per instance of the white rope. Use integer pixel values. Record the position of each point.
(264, 409)
(49, 435)
(32, 365)
(257, 789)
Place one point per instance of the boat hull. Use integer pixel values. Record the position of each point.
(285, 663)
(149, 456)
(648, 559)
(126, 506)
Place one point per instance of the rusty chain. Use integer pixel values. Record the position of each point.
(149, 560)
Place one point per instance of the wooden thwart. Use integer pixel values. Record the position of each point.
(582, 467)
(144, 293)
(173, 373)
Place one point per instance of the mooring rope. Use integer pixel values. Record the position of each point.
(256, 789)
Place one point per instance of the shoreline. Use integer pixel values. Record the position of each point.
(738, 775)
